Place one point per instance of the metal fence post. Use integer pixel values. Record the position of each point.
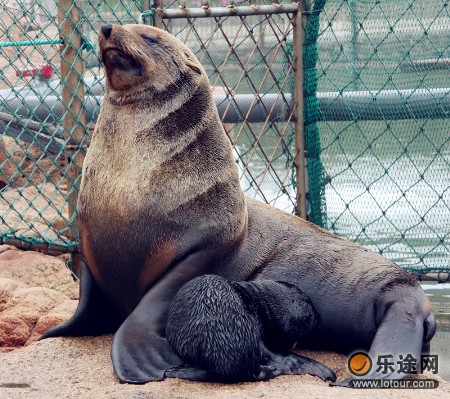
(157, 7)
(300, 159)
(145, 5)
(74, 117)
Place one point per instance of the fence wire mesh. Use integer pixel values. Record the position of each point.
(37, 155)
(384, 90)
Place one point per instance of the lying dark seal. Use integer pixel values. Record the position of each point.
(240, 331)
(160, 204)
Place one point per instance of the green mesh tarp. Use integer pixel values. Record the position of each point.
(384, 90)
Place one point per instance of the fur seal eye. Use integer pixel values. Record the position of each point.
(150, 41)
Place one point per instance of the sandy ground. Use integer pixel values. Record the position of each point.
(80, 368)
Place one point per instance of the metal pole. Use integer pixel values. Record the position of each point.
(300, 159)
(334, 106)
(172, 13)
(352, 4)
(145, 7)
(72, 93)
(157, 12)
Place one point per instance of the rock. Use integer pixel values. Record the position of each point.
(27, 312)
(48, 321)
(4, 248)
(13, 331)
(37, 270)
(37, 298)
(36, 293)
(7, 287)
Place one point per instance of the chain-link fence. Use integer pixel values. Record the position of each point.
(50, 85)
(375, 135)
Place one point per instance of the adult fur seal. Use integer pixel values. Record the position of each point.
(160, 204)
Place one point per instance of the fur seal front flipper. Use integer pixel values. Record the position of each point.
(140, 351)
(94, 315)
(240, 331)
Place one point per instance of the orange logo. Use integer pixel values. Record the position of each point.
(360, 363)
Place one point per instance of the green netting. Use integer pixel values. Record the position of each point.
(384, 92)
(316, 195)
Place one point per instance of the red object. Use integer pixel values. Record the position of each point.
(46, 71)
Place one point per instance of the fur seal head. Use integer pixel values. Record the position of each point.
(139, 57)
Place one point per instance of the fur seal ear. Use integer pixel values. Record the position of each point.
(192, 64)
(194, 67)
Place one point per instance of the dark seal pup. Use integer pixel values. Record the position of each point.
(160, 204)
(240, 331)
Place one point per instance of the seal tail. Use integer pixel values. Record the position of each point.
(292, 363)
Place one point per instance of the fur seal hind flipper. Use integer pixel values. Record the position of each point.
(94, 314)
(189, 373)
(292, 363)
(276, 365)
(404, 332)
